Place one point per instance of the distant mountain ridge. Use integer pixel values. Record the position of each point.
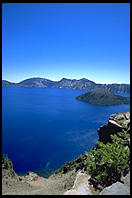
(82, 84)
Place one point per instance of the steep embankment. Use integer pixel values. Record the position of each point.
(73, 177)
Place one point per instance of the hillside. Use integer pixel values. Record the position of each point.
(82, 84)
(6, 83)
(102, 96)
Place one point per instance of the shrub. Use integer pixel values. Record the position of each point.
(120, 122)
(106, 162)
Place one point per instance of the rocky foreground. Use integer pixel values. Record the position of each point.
(71, 178)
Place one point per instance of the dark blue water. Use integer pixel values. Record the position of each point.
(44, 127)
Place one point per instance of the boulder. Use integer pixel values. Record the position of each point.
(127, 115)
(120, 116)
(81, 185)
(31, 176)
(116, 123)
(116, 189)
(126, 179)
(117, 116)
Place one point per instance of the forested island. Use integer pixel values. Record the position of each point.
(102, 96)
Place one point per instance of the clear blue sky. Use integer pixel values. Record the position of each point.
(88, 40)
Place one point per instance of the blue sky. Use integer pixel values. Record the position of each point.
(88, 40)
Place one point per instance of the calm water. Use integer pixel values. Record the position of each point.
(44, 127)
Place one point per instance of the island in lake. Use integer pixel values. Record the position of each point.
(102, 96)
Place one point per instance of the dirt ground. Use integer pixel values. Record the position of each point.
(56, 184)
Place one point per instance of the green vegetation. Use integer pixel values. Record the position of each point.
(120, 122)
(7, 167)
(106, 162)
(76, 164)
(102, 96)
(6, 162)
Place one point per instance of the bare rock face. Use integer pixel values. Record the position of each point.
(7, 168)
(12, 184)
(31, 176)
(116, 123)
(126, 179)
(81, 185)
(116, 189)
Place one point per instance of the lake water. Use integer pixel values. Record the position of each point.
(44, 127)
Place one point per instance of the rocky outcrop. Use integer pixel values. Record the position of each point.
(81, 185)
(31, 176)
(116, 123)
(7, 168)
(116, 189)
(126, 179)
(12, 184)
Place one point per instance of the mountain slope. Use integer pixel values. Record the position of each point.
(6, 83)
(36, 82)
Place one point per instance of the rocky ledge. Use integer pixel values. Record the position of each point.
(118, 188)
(116, 123)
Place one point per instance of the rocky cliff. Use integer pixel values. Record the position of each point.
(116, 123)
(118, 188)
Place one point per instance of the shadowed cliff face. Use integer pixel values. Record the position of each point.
(116, 123)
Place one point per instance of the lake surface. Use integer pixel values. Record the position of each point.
(44, 127)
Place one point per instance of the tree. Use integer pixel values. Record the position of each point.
(106, 162)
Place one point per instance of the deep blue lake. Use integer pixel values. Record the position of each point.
(44, 127)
